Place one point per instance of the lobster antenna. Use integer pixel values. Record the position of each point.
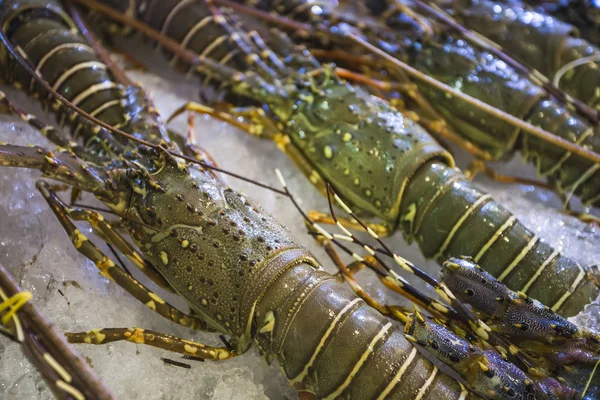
(277, 19)
(477, 326)
(498, 51)
(587, 386)
(439, 287)
(405, 288)
(493, 111)
(100, 50)
(24, 62)
(66, 373)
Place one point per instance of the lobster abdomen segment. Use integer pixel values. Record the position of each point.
(331, 344)
(448, 215)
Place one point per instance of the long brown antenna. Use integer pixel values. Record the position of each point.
(493, 111)
(502, 54)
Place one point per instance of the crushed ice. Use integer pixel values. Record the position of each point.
(34, 247)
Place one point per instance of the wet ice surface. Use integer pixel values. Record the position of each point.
(36, 250)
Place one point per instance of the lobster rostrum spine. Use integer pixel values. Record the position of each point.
(237, 267)
(382, 163)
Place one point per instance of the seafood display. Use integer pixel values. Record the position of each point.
(238, 269)
(241, 272)
(380, 162)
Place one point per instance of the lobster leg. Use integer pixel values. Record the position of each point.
(108, 268)
(54, 135)
(349, 223)
(479, 166)
(60, 166)
(48, 131)
(256, 128)
(396, 312)
(152, 338)
(109, 234)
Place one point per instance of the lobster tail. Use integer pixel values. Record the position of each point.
(449, 216)
(348, 349)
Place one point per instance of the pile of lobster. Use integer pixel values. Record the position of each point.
(493, 78)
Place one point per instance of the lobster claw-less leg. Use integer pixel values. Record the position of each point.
(61, 166)
(190, 148)
(107, 267)
(152, 338)
(396, 312)
(256, 127)
(109, 234)
(349, 223)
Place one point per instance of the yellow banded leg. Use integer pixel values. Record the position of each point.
(103, 229)
(152, 338)
(56, 136)
(12, 305)
(348, 223)
(259, 124)
(396, 312)
(479, 166)
(109, 269)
